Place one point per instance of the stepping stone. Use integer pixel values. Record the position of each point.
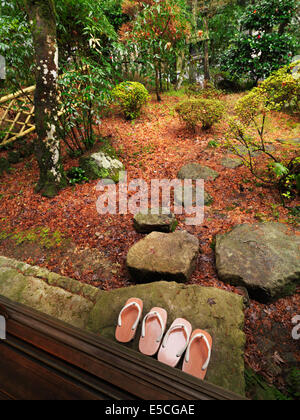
(163, 256)
(243, 150)
(264, 258)
(162, 222)
(219, 312)
(231, 163)
(179, 197)
(196, 171)
(295, 141)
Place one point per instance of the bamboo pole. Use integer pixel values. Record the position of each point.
(30, 130)
(17, 94)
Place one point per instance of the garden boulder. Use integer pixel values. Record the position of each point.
(163, 256)
(264, 258)
(100, 165)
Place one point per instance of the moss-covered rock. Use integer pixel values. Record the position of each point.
(214, 310)
(4, 166)
(101, 166)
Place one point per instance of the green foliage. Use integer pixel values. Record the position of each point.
(213, 144)
(83, 26)
(265, 42)
(267, 14)
(294, 382)
(220, 34)
(131, 96)
(16, 45)
(279, 91)
(200, 111)
(84, 29)
(259, 390)
(84, 94)
(77, 176)
(251, 106)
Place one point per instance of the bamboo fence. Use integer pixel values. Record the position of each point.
(17, 116)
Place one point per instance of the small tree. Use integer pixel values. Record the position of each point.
(157, 30)
(252, 111)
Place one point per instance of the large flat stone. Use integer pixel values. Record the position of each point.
(217, 311)
(163, 256)
(47, 292)
(264, 258)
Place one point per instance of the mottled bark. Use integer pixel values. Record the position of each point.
(41, 14)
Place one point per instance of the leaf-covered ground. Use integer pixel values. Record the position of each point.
(67, 235)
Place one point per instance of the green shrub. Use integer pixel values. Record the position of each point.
(209, 92)
(251, 106)
(131, 96)
(200, 111)
(282, 88)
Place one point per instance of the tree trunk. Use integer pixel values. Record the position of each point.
(206, 54)
(157, 87)
(41, 14)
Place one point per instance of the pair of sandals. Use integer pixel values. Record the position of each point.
(178, 340)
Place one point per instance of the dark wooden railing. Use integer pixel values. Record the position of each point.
(46, 359)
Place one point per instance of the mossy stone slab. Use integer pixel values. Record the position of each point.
(217, 311)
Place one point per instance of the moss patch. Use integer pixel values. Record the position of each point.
(257, 388)
(40, 235)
